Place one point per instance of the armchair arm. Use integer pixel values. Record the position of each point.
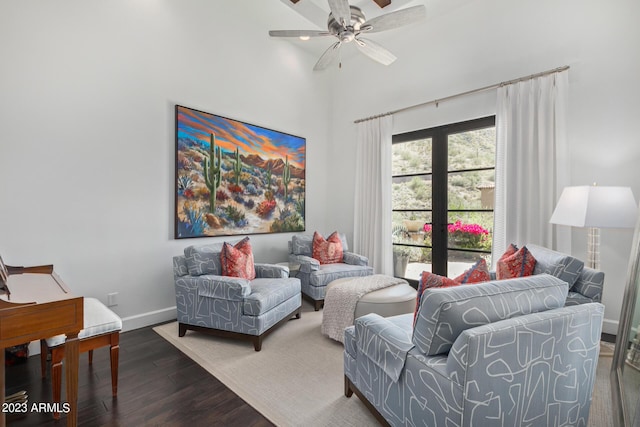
(272, 271)
(307, 264)
(384, 343)
(355, 259)
(222, 287)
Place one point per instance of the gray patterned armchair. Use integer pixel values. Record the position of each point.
(492, 354)
(230, 306)
(314, 277)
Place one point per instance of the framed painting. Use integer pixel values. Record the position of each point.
(236, 178)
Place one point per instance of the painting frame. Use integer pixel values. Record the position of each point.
(236, 178)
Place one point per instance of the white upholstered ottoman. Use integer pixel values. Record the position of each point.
(391, 301)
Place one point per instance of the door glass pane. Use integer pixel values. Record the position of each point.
(472, 231)
(411, 192)
(411, 157)
(472, 149)
(471, 190)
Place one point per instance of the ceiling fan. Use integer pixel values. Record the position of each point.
(347, 23)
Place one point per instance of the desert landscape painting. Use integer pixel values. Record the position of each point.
(236, 178)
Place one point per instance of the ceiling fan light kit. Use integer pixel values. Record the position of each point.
(347, 23)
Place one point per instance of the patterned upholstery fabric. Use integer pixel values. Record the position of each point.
(314, 277)
(589, 284)
(234, 304)
(203, 259)
(528, 369)
(557, 264)
(445, 312)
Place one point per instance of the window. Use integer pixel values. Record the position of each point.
(443, 181)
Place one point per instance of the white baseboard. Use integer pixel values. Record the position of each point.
(610, 326)
(129, 323)
(147, 319)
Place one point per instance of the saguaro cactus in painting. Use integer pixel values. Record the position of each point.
(212, 174)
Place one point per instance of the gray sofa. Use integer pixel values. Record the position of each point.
(499, 353)
(314, 277)
(230, 306)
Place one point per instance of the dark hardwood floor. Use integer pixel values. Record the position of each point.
(158, 386)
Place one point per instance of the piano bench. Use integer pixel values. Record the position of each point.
(101, 328)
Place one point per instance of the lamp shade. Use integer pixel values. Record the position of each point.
(595, 206)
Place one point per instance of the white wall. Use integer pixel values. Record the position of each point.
(486, 42)
(87, 95)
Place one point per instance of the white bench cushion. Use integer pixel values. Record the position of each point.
(98, 320)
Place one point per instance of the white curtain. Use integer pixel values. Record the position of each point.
(372, 209)
(532, 165)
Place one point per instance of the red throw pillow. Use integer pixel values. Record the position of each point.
(519, 264)
(237, 260)
(327, 251)
(479, 272)
(512, 249)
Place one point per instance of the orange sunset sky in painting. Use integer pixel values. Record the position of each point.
(250, 139)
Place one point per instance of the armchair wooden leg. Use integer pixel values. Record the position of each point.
(90, 357)
(257, 343)
(347, 387)
(182, 329)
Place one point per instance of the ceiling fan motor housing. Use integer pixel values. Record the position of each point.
(348, 32)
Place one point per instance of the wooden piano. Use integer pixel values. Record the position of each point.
(35, 304)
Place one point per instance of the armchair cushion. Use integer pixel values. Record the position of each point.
(203, 259)
(268, 293)
(237, 260)
(445, 312)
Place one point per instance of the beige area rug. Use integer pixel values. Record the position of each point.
(297, 378)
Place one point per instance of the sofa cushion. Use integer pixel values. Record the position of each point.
(327, 251)
(329, 272)
(520, 264)
(237, 260)
(444, 313)
(203, 259)
(557, 264)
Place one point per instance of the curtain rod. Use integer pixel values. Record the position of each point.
(482, 89)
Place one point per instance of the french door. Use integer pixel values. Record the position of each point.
(443, 181)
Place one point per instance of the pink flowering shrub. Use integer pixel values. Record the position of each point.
(461, 235)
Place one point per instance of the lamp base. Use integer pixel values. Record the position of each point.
(593, 248)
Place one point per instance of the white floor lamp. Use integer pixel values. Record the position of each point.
(595, 207)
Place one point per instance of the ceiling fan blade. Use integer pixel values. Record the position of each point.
(298, 33)
(396, 19)
(328, 57)
(341, 11)
(374, 51)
